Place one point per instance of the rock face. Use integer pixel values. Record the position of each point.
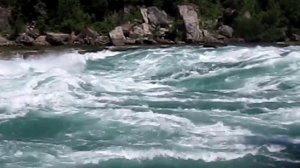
(4, 18)
(127, 27)
(4, 41)
(191, 21)
(25, 40)
(136, 32)
(157, 17)
(144, 12)
(57, 39)
(226, 31)
(117, 36)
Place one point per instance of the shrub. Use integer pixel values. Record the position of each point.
(250, 29)
(273, 35)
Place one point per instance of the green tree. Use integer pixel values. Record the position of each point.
(70, 16)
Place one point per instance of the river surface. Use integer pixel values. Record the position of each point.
(235, 107)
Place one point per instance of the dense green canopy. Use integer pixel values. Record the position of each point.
(268, 17)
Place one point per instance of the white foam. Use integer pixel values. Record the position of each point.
(100, 55)
(275, 148)
(103, 155)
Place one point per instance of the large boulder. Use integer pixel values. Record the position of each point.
(57, 39)
(212, 39)
(155, 16)
(25, 40)
(102, 40)
(4, 17)
(88, 32)
(191, 21)
(137, 32)
(4, 41)
(41, 41)
(226, 31)
(117, 36)
(127, 27)
(87, 36)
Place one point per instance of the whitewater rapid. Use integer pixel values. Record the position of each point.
(171, 107)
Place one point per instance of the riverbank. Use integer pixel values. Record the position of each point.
(155, 27)
(25, 52)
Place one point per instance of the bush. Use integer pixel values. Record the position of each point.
(71, 16)
(250, 29)
(108, 24)
(273, 35)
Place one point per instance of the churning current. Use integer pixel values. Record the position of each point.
(163, 108)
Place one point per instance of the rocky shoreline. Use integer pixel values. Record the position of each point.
(156, 29)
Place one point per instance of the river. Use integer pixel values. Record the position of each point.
(163, 108)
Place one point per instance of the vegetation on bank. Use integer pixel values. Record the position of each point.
(253, 20)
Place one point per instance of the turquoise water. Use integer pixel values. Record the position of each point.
(175, 107)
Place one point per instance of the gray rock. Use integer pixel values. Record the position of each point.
(137, 32)
(34, 33)
(144, 12)
(4, 41)
(127, 27)
(88, 32)
(212, 39)
(164, 41)
(295, 37)
(146, 28)
(191, 21)
(86, 36)
(157, 17)
(102, 40)
(41, 41)
(117, 36)
(57, 39)
(226, 31)
(25, 40)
